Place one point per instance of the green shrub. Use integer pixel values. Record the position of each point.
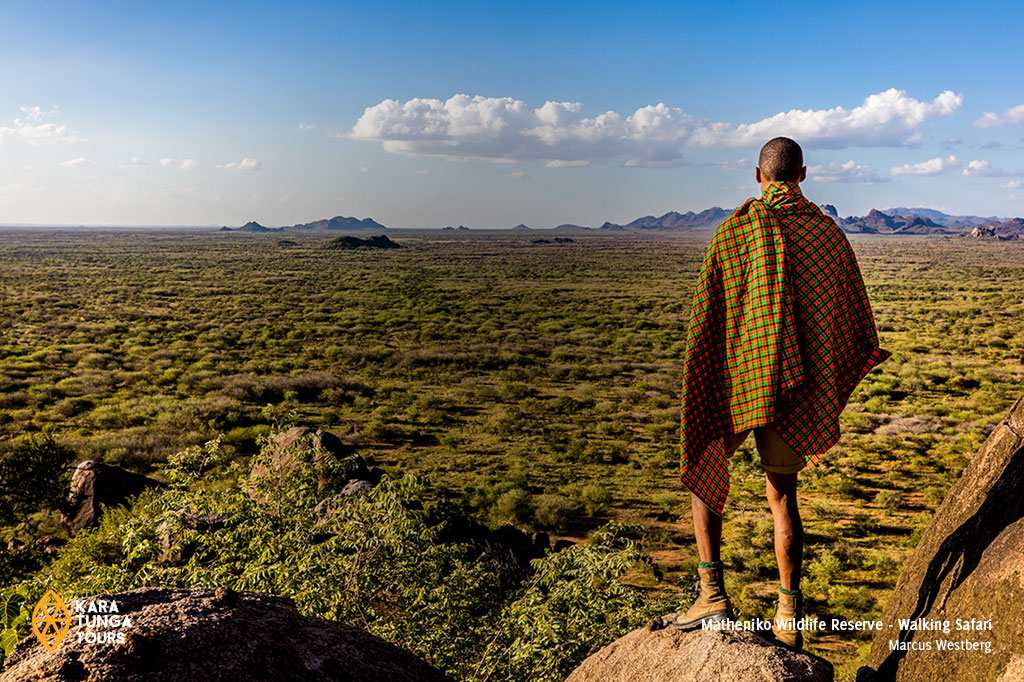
(378, 561)
(34, 475)
(513, 506)
(555, 511)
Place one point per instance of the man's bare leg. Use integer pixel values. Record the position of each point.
(707, 529)
(789, 532)
(707, 525)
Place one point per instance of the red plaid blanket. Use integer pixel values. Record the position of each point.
(781, 332)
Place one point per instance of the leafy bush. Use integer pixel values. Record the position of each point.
(379, 561)
(556, 511)
(34, 475)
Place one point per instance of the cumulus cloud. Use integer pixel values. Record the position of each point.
(850, 171)
(506, 129)
(76, 163)
(515, 175)
(186, 164)
(929, 167)
(32, 129)
(886, 119)
(984, 168)
(307, 126)
(136, 161)
(1011, 116)
(246, 164)
(1012, 184)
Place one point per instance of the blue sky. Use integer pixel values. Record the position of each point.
(492, 114)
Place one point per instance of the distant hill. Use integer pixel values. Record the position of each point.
(880, 222)
(673, 220)
(944, 219)
(325, 225)
(919, 225)
(339, 223)
(251, 226)
(520, 226)
(350, 242)
(1005, 230)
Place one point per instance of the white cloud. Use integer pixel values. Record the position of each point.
(641, 163)
(33, 130)
(80, 162)
(186, 164)
(886, 119)
(558, 163)
(506, 129)
(1011, 116)
(984, 168)
(36, 114)
(1012, 184)
(307, 126)
(742, 164)
(929, 167)
(246, 164)
(136, 161)
(850, 171)
(515, 175)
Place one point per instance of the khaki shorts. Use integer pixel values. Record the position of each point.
(776, 456)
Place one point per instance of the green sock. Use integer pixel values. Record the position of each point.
(791, 593)
(709, 564)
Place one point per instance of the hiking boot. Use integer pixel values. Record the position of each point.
(788, 612)
(712, 604)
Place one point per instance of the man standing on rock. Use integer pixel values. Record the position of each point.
(780, 334)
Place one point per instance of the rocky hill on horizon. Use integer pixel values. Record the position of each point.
(891, 221)
(944, 219)
(673, 220)
(324, 225)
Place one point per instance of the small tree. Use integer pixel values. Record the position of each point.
(34, 475)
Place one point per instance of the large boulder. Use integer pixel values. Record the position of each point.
(323, 448)
(216, 636)
(662, 654)
(968, 566)
(94, 484)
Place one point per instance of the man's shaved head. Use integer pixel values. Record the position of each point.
(781, 160)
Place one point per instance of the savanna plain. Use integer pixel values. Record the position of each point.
(495, 380)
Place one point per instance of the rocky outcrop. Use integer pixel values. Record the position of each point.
(94, 484)
(657, 654)
(339, 222)
(968, 566)
(348, 242)
(301, 443)
(1005, 230)
(216, 636)
(673, 220)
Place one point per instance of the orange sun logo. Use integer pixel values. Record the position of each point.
(51, 620)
